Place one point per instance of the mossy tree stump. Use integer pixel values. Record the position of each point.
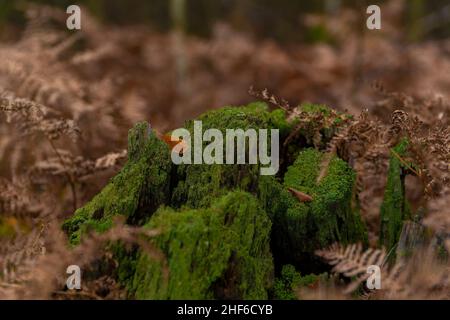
(218, 223)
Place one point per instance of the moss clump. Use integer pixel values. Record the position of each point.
(319, 124)
(290, 280)
(199, 184)
(331, 117)
(331, 209)
(284, 285)
(329, 121)
(136, 192)
(218, 252)
(299, 228)
(316, 108)
(395, 207)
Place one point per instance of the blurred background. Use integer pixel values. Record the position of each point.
(280, 20)
(198, 54)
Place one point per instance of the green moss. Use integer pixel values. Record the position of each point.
(290, 218)
(284, 285)
(299, 228)
(214, 233)
(316, 108)
(395, 207)
(252, 116)
(318, 131)
(136, 192)
(290, 280)
(331, 208)
(199, 184)
(218, 252)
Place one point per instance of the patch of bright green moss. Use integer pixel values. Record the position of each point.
(313, 133)
(290, 280)
(395, 207)
(315, 108)
(199, 184)
(299, 228)
(218, 252)
(136, 192)
(284, 285)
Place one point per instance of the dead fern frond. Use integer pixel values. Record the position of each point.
(32, 117)
(270, 98)
(76, 166)
(422, 276)
(351, 261)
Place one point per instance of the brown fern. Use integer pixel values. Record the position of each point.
(422, 276)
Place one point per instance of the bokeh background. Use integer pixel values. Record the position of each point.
(198, 54)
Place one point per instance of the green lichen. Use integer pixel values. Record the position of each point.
(395, 208)
(136, 192)
(218, 252)
(332, 119)
(299, 228)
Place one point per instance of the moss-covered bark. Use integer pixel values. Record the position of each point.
(136, 192)
(395, 208)
(218, 252)
(314, 126)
